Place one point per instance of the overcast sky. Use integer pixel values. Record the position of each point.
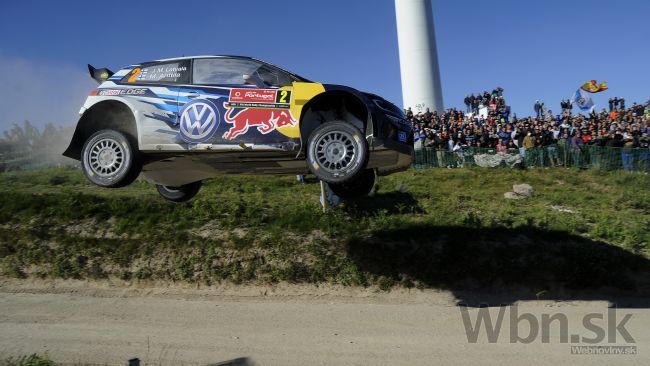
(534, 50)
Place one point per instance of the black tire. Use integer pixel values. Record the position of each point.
(110, 159)
(336, 152)
(358, 187)
(179, 194)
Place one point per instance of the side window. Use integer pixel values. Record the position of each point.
(230, 71)
(274, 77)
(177, 72)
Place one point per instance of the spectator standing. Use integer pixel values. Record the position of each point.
(502, 148)
(627, 153)
(538, 108)
(520, 134)
(644, 146)
(576, 148)
(529, 145)
(549, 147)
(504, 135)
(458, 151)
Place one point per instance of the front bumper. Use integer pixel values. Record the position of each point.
(390, 156)
(391, 147)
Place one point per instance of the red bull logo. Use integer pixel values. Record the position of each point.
(266, 120)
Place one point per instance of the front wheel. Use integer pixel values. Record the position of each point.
(109, 159)
(179, 194)
(336, 152)
(358, 187)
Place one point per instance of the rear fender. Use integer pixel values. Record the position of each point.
(108, 113)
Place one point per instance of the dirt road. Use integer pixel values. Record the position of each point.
(78, 322)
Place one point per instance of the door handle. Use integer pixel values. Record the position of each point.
(193, 95)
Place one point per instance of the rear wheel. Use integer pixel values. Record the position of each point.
(360, 186)
(336, 152)
(109, 159)
(179, 194)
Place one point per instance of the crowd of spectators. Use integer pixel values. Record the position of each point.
(616, 104)
(495, 99)
(457, 131)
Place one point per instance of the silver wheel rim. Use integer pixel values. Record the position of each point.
(336, 151)
(106, 157)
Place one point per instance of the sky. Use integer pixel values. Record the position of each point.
(534, 50)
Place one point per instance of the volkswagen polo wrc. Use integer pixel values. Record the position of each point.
(182, 120)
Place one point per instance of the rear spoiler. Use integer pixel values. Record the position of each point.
(99, 75)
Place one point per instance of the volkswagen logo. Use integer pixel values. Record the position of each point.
(199, 120)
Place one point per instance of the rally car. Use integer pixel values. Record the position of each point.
(182, 120)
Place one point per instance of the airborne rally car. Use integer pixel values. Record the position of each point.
(180, 121)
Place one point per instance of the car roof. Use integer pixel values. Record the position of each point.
(224, 56)
(205, 56)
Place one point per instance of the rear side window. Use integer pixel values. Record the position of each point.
(177, 72)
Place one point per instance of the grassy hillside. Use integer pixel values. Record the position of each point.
(427, 228)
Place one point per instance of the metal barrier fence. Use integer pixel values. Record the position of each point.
(589, 157)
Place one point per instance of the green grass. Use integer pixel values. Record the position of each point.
(32, 360)
(426, 228)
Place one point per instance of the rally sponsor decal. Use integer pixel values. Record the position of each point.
(252, 95)
(114, 92)
(266, 120)
(259, 98)
(199, 120)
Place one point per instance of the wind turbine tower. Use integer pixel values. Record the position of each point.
(418, 55)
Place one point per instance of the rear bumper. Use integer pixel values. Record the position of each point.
(389, 156)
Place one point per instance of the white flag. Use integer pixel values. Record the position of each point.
(582, 100)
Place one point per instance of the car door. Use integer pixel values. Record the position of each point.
(151, 89)
(235, 103)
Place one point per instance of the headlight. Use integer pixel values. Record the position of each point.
(389, 107)
(402, 124)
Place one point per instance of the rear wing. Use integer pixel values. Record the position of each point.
(99, 75)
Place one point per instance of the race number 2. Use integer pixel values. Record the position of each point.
(283, 97)
(134, 75)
